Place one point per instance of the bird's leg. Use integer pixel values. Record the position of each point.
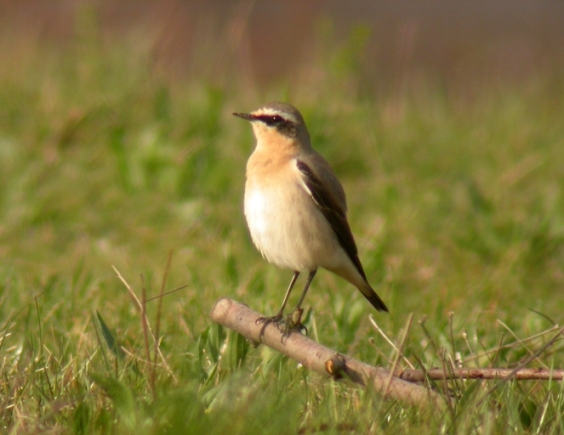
(278, 317)
(294, 321)
(306, 288)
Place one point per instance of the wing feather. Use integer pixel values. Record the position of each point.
(334, 212)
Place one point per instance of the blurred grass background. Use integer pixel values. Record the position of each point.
(117, 147)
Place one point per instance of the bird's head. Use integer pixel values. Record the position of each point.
(278, 121)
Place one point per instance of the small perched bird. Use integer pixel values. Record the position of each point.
(295, 206)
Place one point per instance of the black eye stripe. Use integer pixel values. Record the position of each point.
(271, 120)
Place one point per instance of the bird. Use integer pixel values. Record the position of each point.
(296, 209)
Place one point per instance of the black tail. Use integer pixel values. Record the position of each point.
(373, 298)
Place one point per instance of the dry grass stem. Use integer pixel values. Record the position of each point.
(390, 342)
(139, 305)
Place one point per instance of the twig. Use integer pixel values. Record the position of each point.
(491, 373)
(320, 359)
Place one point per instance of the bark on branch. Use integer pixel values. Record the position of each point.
(320, 359)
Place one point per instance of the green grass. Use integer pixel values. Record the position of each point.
(456, 203)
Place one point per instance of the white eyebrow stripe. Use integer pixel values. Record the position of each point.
(272, 112)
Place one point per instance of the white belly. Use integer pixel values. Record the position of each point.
(289, 230)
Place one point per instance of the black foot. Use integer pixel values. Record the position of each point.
(286, 324)
(268, 320)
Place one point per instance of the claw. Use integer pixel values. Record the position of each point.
(286, 324)
(267, 320)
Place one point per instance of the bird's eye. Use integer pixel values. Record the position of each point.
(271, 120)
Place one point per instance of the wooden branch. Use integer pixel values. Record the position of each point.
(491, 373)
(320, 359)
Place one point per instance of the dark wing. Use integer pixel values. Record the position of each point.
(333, 212)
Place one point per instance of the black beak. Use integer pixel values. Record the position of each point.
(246, 116)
